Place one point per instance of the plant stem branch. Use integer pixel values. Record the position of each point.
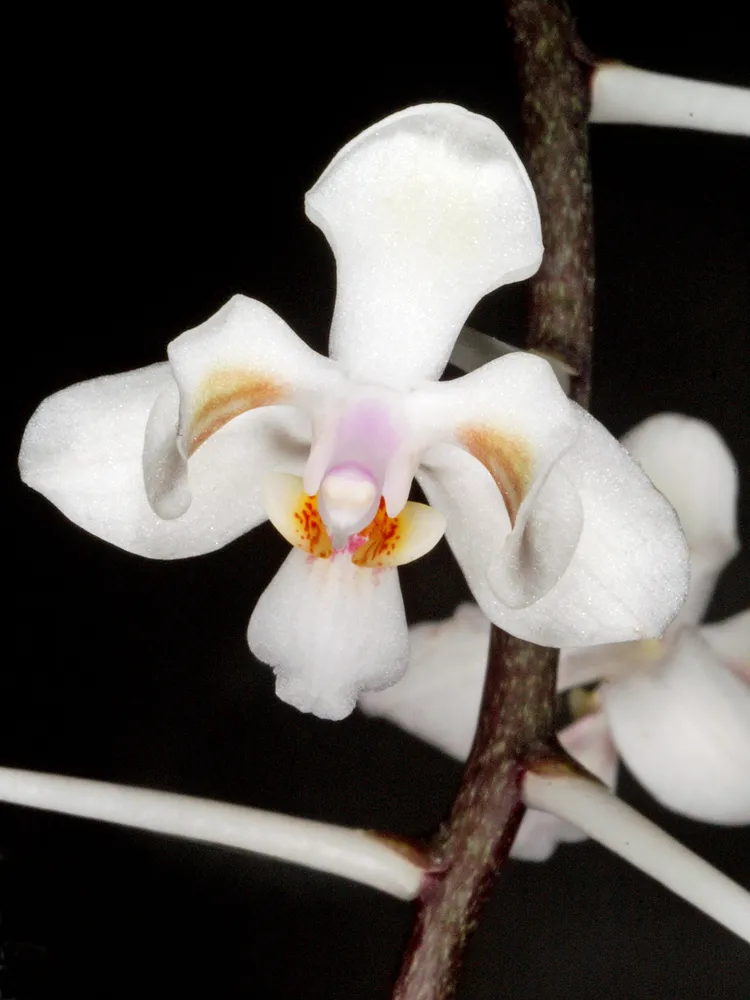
(631, 96)
(364, 857)
(594, 809)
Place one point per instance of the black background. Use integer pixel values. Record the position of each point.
(148, 194)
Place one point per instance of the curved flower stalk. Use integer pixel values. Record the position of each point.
(613, 823)
(361, 855)
(628, 95)
(676, 710)
(562, 538)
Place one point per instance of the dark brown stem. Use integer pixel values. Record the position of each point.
(517, 716)
(554, 69)
(515, 727)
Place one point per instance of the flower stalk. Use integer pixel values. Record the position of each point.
(624, 831)
(371, 859)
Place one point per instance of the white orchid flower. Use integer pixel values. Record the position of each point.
(560, 535)
(676, 710)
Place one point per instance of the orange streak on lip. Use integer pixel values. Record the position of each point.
(312, 536)
(225, 394)
(508, 460)
(379, 539)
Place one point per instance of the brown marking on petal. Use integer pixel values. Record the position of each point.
(225, 394)
(507, 458)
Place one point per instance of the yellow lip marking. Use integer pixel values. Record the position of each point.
(386, 541)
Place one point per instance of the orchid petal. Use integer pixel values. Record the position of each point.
(688, 461)
(683, 729)
(514, 421)
(628, 573)
(438, 697)
(349, 632)
(240, 359)
(83, 450)
(511, 415)
(730, 639)
(588, 741)
(426, 212)
(579, 666)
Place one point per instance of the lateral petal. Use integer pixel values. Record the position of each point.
(511, 417)
(426, 212)
(242, 358)
(83, 450)
(349, 632)
(627, 575)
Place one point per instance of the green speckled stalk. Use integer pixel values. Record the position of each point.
(517, 716)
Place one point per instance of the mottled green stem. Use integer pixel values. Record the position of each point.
(517, 716)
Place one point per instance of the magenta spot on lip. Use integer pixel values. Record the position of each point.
(355, 542)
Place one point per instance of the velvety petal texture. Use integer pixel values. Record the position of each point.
(561, 536)
(689, 462)
(83, 450)
(242, 358)
(438, 697)
(330, 630)
(627, 573)
(683, 729)
(426, 212)
(730, 640)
